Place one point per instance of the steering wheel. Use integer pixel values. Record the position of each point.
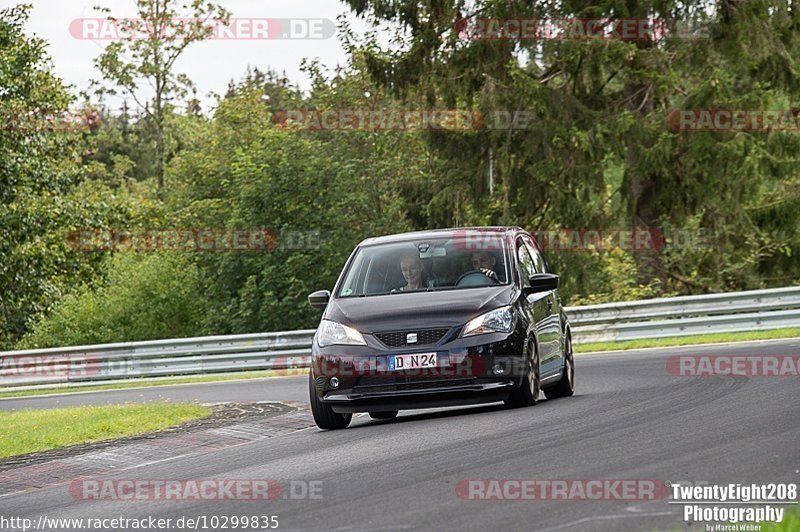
(475, 278)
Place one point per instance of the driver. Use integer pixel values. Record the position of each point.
(484, 262)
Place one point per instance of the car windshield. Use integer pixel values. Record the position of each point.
(426, 265)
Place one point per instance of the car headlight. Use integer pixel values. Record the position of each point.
(498, 320)
(332, 333)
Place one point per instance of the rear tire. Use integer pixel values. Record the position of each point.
(528, 392)
(324, 416)
(565, 387)
(383, 415)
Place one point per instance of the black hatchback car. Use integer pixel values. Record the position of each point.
(439, 318)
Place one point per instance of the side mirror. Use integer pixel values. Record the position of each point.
(319, 299)
(542, 282)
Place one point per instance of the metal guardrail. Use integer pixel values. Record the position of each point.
(156, 358)
(655, 318)
(752, 310)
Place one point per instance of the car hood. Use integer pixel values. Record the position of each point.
(444, 308)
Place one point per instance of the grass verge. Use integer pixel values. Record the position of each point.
(29, 431)
(791, 522)
(791, 332)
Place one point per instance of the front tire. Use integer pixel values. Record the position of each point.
(565, 387)
(324, 416)
(528, 392)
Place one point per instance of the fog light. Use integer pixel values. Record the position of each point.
(499, 368)
(334, 382)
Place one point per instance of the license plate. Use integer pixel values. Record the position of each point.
(421, 360)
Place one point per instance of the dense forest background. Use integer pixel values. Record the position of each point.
(599, 155)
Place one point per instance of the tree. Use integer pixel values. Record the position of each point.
(600, 154)
(42, 193)
(147, 52)
(143, 297)
(320, 192)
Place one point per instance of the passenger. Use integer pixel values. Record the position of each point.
(484, 261)
(414, 273)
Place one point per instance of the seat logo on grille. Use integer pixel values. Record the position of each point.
(411, 338)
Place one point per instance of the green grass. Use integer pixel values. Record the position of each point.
(28, 431)
(790, 523)
(149, 383)
(793, 332)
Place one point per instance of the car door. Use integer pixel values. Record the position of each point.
(550, 338)
(536, 307)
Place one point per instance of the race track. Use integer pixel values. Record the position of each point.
(629, 419)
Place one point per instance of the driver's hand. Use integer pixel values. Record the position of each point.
(489, 273)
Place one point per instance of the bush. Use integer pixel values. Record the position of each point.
(143, 297)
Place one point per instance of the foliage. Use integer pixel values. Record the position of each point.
(598, 153)
(144, 297)
(246, 173)
(42, 193)
(170, 27)
(601, 106)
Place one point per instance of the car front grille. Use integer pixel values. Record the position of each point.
(408, 386)
(377, 380)
(399, 338)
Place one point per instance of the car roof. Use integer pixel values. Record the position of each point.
(437, 233)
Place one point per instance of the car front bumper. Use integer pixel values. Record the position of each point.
(467, 375)
(453, 395)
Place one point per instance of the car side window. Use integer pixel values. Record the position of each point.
(526, 265)
(538, 259)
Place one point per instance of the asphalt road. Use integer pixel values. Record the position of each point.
(630, 419)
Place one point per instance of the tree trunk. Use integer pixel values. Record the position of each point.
(159, 137)
(641, 183)
(160, 157)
